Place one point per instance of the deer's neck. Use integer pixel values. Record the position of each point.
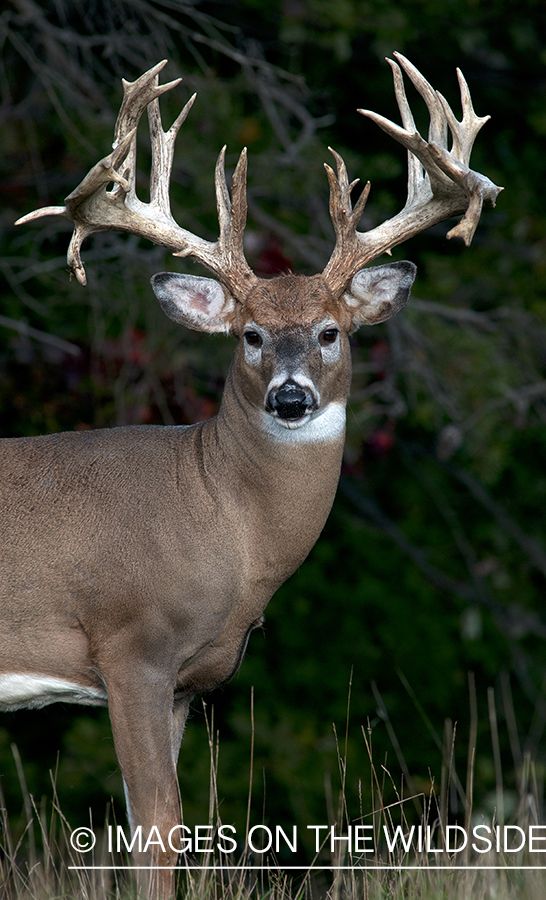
(282, 482)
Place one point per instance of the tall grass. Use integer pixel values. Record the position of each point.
(37, 861)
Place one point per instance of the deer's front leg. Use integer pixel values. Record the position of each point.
(147, 736)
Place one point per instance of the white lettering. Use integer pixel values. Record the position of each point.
(480, 838)
(199, 839)
(455, 828)
(430, 849)
(508, 828)
(342, 837)
(405, 841)
(226, 837)
(361, 839)
(185, 843)
(533, 838)
(137, 839)
(269, 839)
(279, 831)
(317, 835)
(154, 832)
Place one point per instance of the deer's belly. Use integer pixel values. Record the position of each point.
(29, 691)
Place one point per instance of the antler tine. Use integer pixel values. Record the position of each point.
(340, 193)
(345, 220)
(464, 132)
(102, 173)
(95, 181)
(424, 179)
(416, 173)
(230, 263)
(440, 183)
(163, 152)
(223, 201)
(232, 214)
(92, 208)
(438, 126)
(137, 95)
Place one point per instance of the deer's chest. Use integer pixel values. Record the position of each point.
(216, 661)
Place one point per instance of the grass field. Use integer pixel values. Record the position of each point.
(414, 849)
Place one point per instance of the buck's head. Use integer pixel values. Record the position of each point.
(292, 364)
(293, 358)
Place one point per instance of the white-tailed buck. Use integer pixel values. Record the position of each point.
(136, 561)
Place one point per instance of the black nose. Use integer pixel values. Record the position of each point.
(290, 401)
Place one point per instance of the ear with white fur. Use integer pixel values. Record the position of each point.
(378, 293)
(198, 303)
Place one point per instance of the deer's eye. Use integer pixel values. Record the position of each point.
(253, 338)
(329, 336)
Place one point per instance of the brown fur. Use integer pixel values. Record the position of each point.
(137, 560)
(289, 301)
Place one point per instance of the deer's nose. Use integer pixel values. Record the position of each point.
(290, 401)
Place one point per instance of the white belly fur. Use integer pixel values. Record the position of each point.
(34, 691)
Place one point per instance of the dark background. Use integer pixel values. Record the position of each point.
(426, 587)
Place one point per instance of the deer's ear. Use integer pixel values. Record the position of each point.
(198, 303)
(376, 294)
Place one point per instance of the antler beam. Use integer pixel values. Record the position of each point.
(92, 208)
(440, 182)
(440, 185)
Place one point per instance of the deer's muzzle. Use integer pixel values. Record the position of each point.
(290, 401)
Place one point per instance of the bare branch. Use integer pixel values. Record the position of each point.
(44, 337)
(533, 549)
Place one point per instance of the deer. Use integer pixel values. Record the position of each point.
(136, 560)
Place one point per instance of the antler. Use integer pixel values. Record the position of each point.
(91, 207)
(440, 183)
